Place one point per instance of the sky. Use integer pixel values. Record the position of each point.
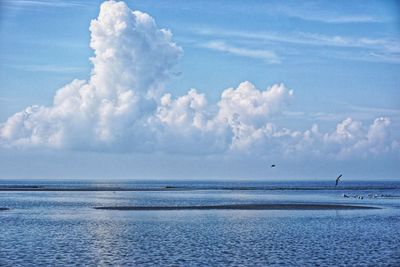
(207, 90)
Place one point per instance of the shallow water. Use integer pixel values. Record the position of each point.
(62, 228)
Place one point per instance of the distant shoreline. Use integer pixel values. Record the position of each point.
(242, 207)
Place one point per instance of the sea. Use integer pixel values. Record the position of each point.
(55, 223)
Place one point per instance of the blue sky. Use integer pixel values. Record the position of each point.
(341, 59)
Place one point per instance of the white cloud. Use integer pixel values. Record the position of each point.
(132, 59)
(251, 105)
(351, 139)
(186, 111)
(123, 106)
(222, 127)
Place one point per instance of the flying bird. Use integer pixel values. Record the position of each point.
(338, 179)
(273, 166)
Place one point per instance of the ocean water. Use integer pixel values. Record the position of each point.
(62, 228)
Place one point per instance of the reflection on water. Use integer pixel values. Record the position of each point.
(61, 228)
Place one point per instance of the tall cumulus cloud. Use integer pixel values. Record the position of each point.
(123, 106)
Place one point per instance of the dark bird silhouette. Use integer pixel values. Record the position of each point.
(338, 179)
(273, 166)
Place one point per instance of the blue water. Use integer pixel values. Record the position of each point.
(61, 228)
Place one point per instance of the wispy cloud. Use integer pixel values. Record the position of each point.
(375, 49)
(374, 111)
(266, 55)
(343, 19)
(332, 12)
(345, 110)
(368, 56)
(329, 16)
(362, 113)
(6, 99)
(21, 4)
(306, 38)
(49, 68)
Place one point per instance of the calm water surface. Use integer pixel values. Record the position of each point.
(62, 228)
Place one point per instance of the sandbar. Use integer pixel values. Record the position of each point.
(289, 206)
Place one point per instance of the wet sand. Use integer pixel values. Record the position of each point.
(244, 207)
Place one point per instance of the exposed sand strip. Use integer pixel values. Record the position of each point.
(244, 207)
